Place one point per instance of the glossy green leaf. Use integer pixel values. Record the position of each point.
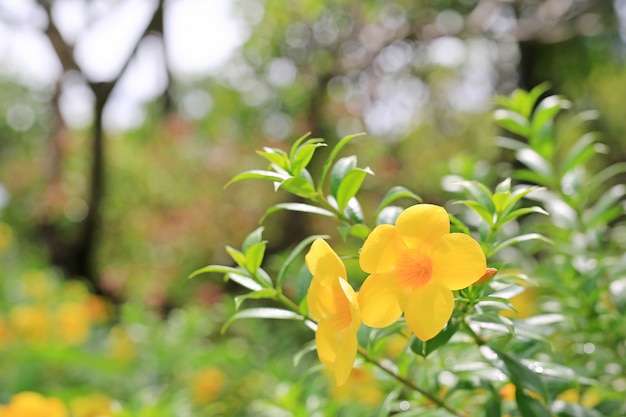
(546, 111)
(607, 207)
(394, 194)
(523, 211)
(479, 209)
(504, 186)
(293, 255)
(254, 256)
(519, 239)
(244, 280)
(219, 269)
(262, 313)
(301, 207)
(536, 163)
(275, 156)
(339, 171)
(350, 186)
(480, 194)
(512, 121)
(333, 154)
(359, 231)
(237, 256)
(256, 174)
(528, 406)
(296, 144)
(354, 211)
(521, 375)
(579, 154)
(298, 186)
(265, 293)
(304, 154)
(253, 238)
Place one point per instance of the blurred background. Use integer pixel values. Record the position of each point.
(121, 121)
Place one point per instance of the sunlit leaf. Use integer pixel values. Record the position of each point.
(238, 257)
(388, 215)
(254, 256)
(528, 406)
(358, 230)
(354, 211)
(579, 154)
(245, 281)
(519, 239)
(521, 375)
(264, 293)
(333, 154)
(523, 211)
(219, 269)
(350, 185)
(262, 313)
(512, 121)
(275, 156)
(394, 194)
(256, 174)
(304, 154)
(253, 238)
(298, 186)
(301, 207)
(339, 171)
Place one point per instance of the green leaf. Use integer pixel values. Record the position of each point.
(254, 256)
(521, 212)
(306, 349)
(536, 163)
(479, 209)
(339, 171)
(237, 256)
(333, 154)
(253, 238)
(479, 193)
(275, 156)
(354, 211)
(493, 405)
(220, 269)
(255, 295)
(303, 282)
(394, 194)
(350, 185)
(426, 348)
(528, 406)
(293, 255)
(303, 155)
(257, 174)
(299, 186)
(262, 313)
(301, 207)
(579, 154)
(546, 111)
(606, 208)
(244, 280)
(512, 121)
(597, 182)
(518, 239)
(359, 231)
(296, 145)
(504, 186)
(521, 375)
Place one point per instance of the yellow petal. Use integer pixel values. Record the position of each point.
(381, 300)
(346, 354)
(423, 223)
(381, 249)
(323, 262)
(326, 342)
(458, 261)
(353, 304)
(428, 309)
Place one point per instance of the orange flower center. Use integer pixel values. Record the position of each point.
(415, 268)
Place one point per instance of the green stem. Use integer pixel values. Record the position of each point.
(409, 384)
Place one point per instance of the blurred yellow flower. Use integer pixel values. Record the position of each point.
(361, 387)
(32, 404)
(30, 323)
(73, 323)
(93, 405)
(99, 309)
(413, 267)
(206, 385)
(333, 303)
(5, 333)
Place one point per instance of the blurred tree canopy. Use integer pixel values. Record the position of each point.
(131, 212)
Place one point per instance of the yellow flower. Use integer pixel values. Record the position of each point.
(333, 303)
(362, 387)
(206, 385)
(413, 267)
(73, 323)
(32, 404)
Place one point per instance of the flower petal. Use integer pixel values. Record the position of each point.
(428, 309)
(346, 354)
(458, 261)
(353, 304)
(326, 342)
(381, 300)
(381, 249)
(323, 262)
(423, 223)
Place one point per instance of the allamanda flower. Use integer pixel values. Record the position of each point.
(413, 267)
(333, 303)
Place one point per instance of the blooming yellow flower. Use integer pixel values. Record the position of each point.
(413, 267)
(333, 303)
(92, 405)
(32, 404)
(206, 385)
